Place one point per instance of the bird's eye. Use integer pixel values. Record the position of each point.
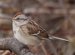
(21, 19)
(18, 18)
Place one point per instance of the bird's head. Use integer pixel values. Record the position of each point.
(21, 19)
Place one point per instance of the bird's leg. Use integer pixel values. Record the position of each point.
(44, 49)
(34, 49)
(40, 49)
(37, 49)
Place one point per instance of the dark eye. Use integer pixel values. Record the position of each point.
(18, 19)
(21, 19)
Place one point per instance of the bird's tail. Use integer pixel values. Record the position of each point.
(58, 38)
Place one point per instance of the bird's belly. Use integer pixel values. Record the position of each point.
(27, 40)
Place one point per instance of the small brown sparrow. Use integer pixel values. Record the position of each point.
(28, 31)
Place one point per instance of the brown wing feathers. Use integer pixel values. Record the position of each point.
(34, 28)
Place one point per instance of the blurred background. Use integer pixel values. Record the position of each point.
(57, 17)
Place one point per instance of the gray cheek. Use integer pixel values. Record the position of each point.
(20, 21)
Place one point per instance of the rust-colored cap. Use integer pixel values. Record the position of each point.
(17, 13)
